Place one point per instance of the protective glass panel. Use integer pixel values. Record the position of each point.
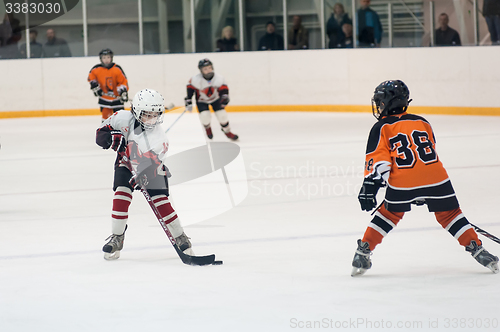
(113, 24)
(216, 25)
(304, 29)
(338, 21)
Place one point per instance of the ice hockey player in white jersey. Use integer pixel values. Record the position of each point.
(139, 136)
(210, 89)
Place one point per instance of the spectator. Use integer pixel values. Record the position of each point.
(8, 25)
(36, 49)
(369, 26)
(335, 25)
(298, 36)
(227, 42)
(491, 13)
(55, 47)
(271, 40)
(446, 36)
(348, 40)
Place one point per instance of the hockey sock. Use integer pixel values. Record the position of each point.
(458, 226)
(168, 214)
(382, 223)
(223, 120)
(119, 215)
(205, 118)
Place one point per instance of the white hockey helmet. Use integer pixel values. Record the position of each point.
(148, 107)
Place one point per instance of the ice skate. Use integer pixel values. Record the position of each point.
(184, 244)
(230, 135)
(361, 261)
(483, 256)
(209, 132)
(114, 246)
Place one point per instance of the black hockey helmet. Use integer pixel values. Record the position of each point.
(203, 63)
(106, 51)
(390, 98)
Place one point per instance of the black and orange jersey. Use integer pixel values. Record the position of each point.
(401, 151)
(113, 83)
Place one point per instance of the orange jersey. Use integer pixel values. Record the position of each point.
(401, 150)
(112, 82)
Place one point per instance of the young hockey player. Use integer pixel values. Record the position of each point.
(401, 153)
(139, 135)
(109, 83)
(210, 89)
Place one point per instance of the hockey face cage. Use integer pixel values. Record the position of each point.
(150, 118)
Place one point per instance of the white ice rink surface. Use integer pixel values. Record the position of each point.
(287, 248)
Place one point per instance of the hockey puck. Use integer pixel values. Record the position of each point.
(217, 263)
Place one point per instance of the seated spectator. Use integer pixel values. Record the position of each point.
(348, 40)
(227, 42)
(335, 25)
(491, 13)
(271, 40)
(446, 36)
(36, 48)
(369, 26)
(55, 47)
(298, 36)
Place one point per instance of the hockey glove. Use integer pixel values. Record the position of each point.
(224, 100)
(124, 97)
(117, 141)
(367, 194)
(96, 89)
(139, 181)
(189, 104)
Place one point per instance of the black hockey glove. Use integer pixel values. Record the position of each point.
(96, 89)
(117, 141)
(123, 94)
(139, 181)
(367, 194)
(189, 104)
(143, 176)
(224, 100)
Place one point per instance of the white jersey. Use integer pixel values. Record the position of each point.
(207, 91)
(151, 144)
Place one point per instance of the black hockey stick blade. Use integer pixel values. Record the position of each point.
(195, 260)
(486, 234)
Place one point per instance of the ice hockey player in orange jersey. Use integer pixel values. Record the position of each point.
(401, 154)
(109, 83)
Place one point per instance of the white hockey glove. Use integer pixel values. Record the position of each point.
(96, 89)
(189, 104)
(117, 141)
(224, 100)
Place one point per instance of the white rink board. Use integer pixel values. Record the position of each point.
(287, 248)
(442, 76)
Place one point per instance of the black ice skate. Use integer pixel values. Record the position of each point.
(209, 132)
(230, 135)
(361, 261)
(483, 256)
(114, 245)
(184, 244)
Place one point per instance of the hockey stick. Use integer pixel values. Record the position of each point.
(186, 259)
(166, 131)
(486, 234)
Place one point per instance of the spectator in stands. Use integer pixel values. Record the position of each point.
(369, 26)
(227, 42)
(348, 40)
(491, 13)
(55, 47)
(298, 36)
(334, 26)
(446, 36)
(36, 48)
(271, 40)
(8, 25)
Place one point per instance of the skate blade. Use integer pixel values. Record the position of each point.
(112, 256)
(493, 266)
(358, 271)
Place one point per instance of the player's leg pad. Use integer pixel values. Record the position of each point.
(361, 261)
(483, 256)
(114, 245)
